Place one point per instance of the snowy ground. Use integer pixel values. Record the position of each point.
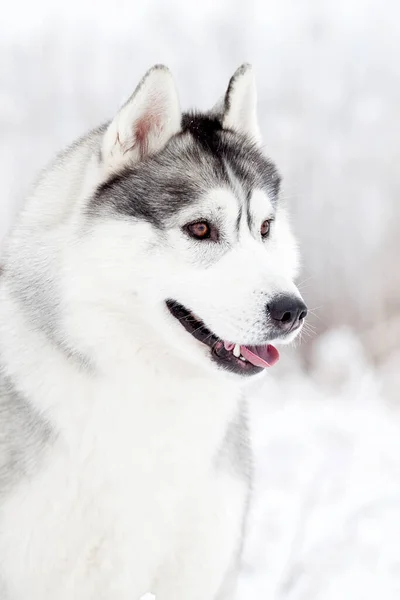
(326, 518)
(326, 514)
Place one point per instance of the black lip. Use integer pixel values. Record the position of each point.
(224, 358)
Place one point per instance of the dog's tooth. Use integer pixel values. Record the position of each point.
(242, 358)
(236, 350)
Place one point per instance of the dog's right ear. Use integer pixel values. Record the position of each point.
(145, 123)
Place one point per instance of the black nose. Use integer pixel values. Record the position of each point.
(286, 312)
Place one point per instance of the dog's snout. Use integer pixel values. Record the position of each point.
(287, 312)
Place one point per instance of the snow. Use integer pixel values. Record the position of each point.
(326, 515)
(326, 512)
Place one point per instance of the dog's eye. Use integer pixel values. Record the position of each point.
(265, 228)
(199, 231)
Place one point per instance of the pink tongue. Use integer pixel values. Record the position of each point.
(259, 356)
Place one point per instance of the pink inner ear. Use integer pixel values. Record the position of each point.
(143, 128)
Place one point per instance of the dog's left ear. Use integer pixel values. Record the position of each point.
(145, 123)
(240, 103)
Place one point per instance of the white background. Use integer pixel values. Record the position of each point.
(326, 517)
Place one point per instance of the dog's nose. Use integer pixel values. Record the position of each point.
(287, 312)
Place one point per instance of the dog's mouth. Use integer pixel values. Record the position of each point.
(242, 360)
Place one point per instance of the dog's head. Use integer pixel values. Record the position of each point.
(187, 232)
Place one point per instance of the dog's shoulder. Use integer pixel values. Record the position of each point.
(24, 435)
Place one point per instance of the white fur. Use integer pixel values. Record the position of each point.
(125, 501)
(106, 511)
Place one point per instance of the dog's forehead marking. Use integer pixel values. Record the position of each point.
(239, 192)
(204, 157)
(235, 184)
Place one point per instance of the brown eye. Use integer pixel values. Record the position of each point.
(265, 228)
(199, 231)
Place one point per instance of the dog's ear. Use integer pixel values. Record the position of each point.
(240, 103)
(145, 123)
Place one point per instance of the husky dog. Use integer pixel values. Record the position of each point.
(147, 279)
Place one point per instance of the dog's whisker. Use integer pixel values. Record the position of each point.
(301, 283)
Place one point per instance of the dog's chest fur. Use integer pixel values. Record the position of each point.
(137, 479)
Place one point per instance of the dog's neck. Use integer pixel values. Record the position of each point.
(128, 376)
